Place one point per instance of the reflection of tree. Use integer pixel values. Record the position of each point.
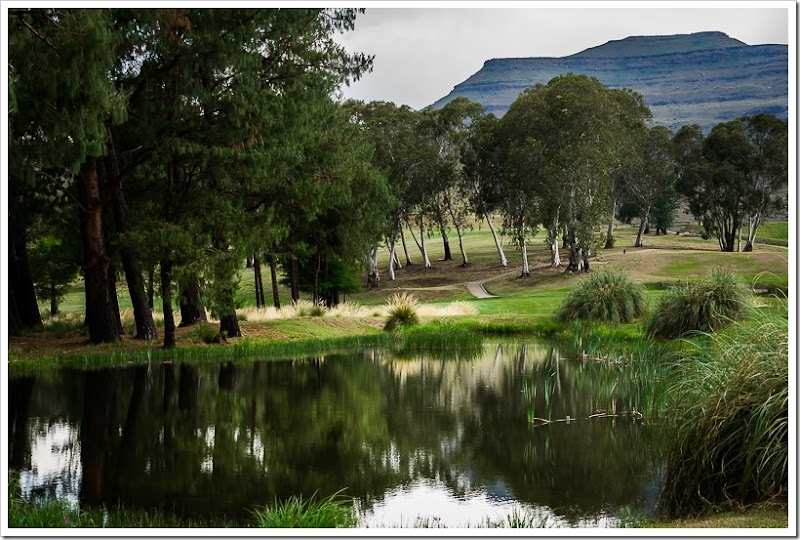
(235, 436)
(19, 399)
(96, 431)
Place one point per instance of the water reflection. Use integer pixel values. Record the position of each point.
(411, 437)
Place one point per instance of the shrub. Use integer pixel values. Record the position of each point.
(333, 511)
(703, 306)
(402, 312)
(607, 295)
(729, 404)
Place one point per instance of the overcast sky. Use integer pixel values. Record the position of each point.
(422, 53)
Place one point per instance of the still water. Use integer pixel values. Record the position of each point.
(443, 440)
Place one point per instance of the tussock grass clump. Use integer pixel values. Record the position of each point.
(729, 405)
(205, 332)
(608, 295)
(333, 511)
(402, 312)
(706, 305)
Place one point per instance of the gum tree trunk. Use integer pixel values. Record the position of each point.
(497, 243)
(392, 255)
(526, 271)
(610, 231)
(642, 228)
(427, 261)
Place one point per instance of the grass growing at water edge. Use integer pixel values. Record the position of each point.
(333, 511)
(729, 403)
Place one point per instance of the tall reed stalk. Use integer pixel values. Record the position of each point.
(729, 404)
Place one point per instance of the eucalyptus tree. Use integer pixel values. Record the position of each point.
(447, 130)
(715, 181)
(522, 158)
(563, 140)
(737, 175)
(652, 175)
(633, 113)
(406, 162)
(63, 98)
(482, 172)
(768, 171)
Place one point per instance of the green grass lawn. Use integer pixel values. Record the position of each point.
(663, 259)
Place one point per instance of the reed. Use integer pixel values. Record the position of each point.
(729, 405)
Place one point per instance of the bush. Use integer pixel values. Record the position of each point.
(703, 306)
(729, 440)
(402, 312)
(607, 295)
(333, 511)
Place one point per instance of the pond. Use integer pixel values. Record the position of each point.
(415, 439)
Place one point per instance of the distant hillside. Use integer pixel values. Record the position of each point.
(702, 78)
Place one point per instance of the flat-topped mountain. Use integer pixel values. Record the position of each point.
(703, 78)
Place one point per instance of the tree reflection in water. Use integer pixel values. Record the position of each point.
(375, 422)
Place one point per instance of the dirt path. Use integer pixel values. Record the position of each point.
(477, 289)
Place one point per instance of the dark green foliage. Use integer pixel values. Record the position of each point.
(706, 305)
(607, 295)
(53, 269)
(729, 404)
(296, 512)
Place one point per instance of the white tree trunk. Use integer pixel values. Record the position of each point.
(497, 243)
(640, 234)
(374, 276)
(552, 231)
(526, 271)
(392, 257)
(555, 255)
(754, 222)
(426, 260)
(610, 231)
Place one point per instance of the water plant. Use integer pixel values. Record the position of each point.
(402, 312)
(332, 511)
(706, 305)
(608, 295)
(730, 409)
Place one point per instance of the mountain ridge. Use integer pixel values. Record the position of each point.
(703, 78)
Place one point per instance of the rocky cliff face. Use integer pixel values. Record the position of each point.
(701, 78)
